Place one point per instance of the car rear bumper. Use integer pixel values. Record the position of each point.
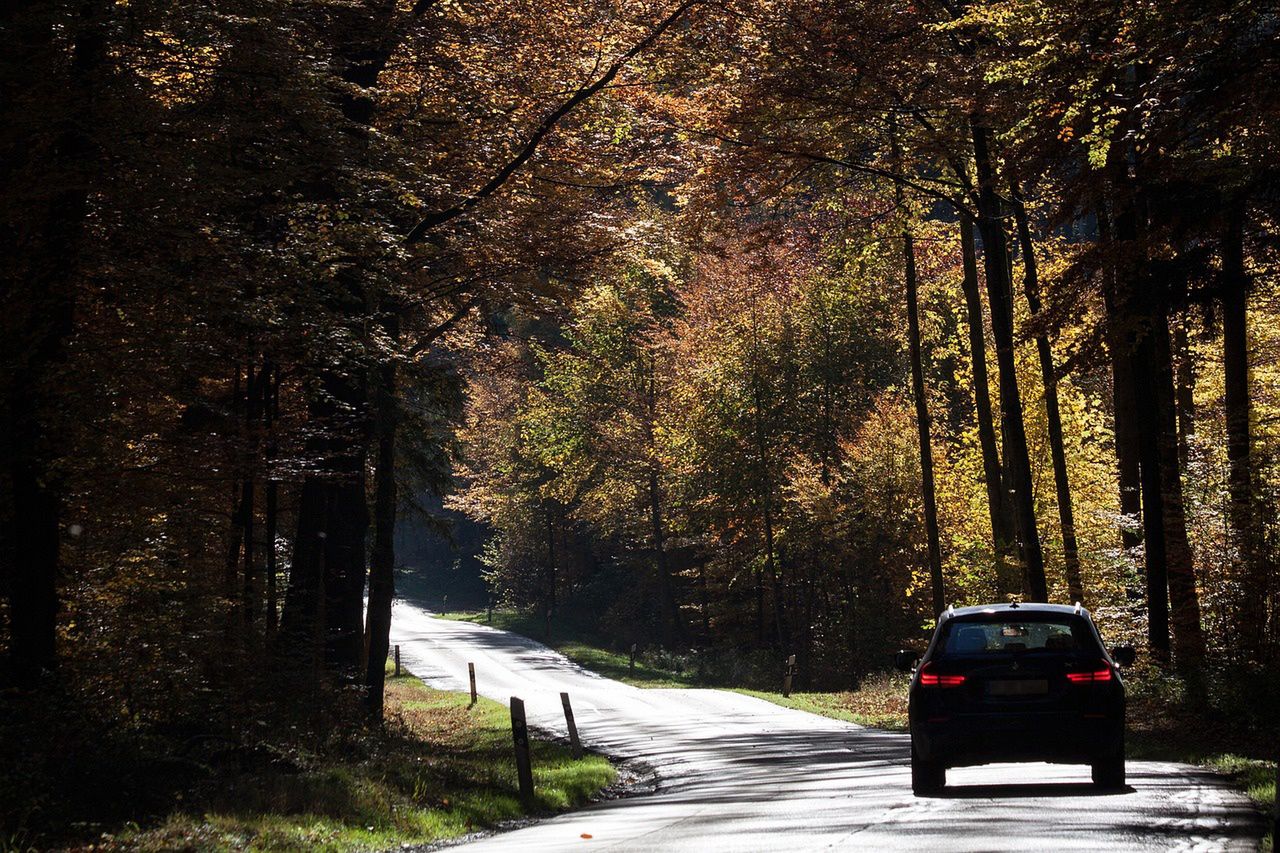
(968, 739)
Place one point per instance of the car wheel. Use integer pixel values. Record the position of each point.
(927, 777)
(1109, 772)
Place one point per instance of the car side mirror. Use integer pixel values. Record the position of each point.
(905, 660)
(1124, 655)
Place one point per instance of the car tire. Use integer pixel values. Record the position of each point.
(1109, 772)
(927, 777)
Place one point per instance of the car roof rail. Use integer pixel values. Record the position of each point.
(1079, 607)
(951, 610)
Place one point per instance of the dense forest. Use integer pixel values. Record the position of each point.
(758, 328)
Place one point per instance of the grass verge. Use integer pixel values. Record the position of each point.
(440, 770)
(586, 649)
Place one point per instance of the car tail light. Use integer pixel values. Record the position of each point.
(933, 679)
(1090, 676)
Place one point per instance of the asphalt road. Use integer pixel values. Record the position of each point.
(737, 773)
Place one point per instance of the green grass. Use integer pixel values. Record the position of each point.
(582, 648)
(879, 702)
(443, 770)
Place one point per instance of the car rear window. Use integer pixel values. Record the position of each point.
(1000, 635)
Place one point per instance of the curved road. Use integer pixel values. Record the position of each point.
(737, 773)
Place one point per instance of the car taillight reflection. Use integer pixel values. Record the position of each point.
(1089, 677)
(933, 679)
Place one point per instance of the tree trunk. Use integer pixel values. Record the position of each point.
(1124, 403)
(344, 572)
(1153, 528)
(1138, 318)
(923, 428)
(549, 600)
(996, 259)
(382, 559)
(45, 214)
(760, 607)
(1241, 511)
(302, 618)
(271, 412)
(249, 591)
(1184, 601)
(1003, 533)
(1184, 390)
(675, 626)
(271, 569)
(771, 569)
(1066, 517)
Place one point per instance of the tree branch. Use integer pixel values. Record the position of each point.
(419, 231)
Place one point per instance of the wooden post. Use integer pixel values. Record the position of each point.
(574, 743)
(397, 660)
(471, 673)
(631, 666)
(520, 735)
(786, 678)
(489, 618)
(548, 625)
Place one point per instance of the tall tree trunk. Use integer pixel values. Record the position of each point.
(1123, 401)
(766, 515)
(1066, 517)
(1241, 510)
(249, 593)
(923, 427)
(1184, 389)
(382, 558)
(851, 623)
(46, 189)
(675, 625)
(345, 568)
(1137, 318)
(270, 524)
(1184, 601)
(705, 596)
(271, 412)
(235, 528)
(996, 259)
(771, 570)
(1004, 537)
(302, 617)
(760, 634)
(1153, 528)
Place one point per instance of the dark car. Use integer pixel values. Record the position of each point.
(1016, 682)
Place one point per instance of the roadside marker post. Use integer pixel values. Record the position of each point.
(631, 666)
(520, 735)
(471, 673)
(397, 660)
(786, 678)
(574, 743)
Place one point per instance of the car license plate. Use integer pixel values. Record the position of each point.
(1022, 687)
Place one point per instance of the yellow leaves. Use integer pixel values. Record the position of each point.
(178, 72)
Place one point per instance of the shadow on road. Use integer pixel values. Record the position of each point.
(1015, 791)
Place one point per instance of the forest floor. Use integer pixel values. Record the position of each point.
(440, 769)
(1167, 720)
